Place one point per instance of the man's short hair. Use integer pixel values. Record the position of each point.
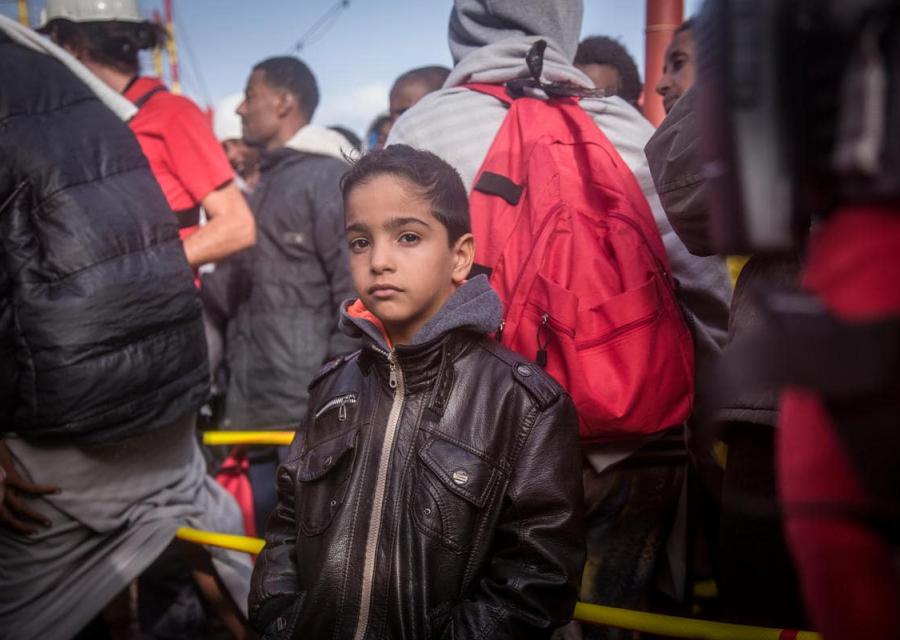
(605, 50)
(432, 77)
(687, 25)
(435, 180)
(292, 75)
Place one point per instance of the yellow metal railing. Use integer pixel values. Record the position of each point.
(669, 626)
(248, 437)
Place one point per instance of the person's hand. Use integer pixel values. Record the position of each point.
(15, 513)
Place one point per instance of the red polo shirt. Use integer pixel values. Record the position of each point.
(177, 139)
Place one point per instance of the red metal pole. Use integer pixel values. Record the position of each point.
(663, 17)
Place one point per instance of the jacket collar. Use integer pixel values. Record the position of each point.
(473, 310)
(309, 139)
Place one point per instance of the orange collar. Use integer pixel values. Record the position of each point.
(358, 310)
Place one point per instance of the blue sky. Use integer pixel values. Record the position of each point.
(355, 59)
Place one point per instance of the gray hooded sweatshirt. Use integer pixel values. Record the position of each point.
(473, 306)
(488, 41)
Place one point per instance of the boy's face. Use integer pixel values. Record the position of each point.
(402, 263)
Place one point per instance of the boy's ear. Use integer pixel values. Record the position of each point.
(463, 257)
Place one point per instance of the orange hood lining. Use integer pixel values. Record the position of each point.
(358, 310)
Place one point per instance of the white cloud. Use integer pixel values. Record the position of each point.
(355, 109)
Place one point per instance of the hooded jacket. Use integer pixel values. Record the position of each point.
(100, 331)
(489, 40)
(676, 164)
(430, 494)
(279, 299)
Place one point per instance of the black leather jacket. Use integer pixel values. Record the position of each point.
(468, 457)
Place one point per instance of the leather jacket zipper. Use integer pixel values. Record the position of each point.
(396, 383)
(341, 402)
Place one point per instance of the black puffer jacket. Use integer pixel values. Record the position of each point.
(100, 329)
(280, 298)
(468, 457)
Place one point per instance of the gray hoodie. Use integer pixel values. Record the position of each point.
(473, 306)
(489, 40)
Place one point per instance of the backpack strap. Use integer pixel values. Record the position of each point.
(493, 183)
(494, 90)
(140, 102)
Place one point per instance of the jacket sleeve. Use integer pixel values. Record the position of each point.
(273, 587)
(328, 227)
(531, 584)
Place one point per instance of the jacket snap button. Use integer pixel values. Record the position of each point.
(333, 503)
(427, 511)
(328, 461)
(280, 624)
(523, 370)
(460, 477)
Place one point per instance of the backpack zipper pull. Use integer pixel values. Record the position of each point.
(392, 379)
(541, 359)
(342, 411)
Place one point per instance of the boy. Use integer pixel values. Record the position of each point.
(431, 492)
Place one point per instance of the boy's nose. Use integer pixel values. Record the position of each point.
(381, 259)
(662, 87)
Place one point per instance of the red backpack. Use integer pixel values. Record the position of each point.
(568, 240)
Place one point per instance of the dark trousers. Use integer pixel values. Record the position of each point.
(630, 511)
(757, 582)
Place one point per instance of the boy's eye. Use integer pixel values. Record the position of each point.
(409, 238)
(359, 244)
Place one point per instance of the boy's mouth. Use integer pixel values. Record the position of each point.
(383, 291)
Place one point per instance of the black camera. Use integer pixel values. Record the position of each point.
(800, 100)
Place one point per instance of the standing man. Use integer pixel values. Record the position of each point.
(632, 486)
(755, 576)
(284, 293)
(175, 136)
(102, 363)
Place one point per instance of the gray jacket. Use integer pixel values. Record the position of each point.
(674, 156)
(279, 299)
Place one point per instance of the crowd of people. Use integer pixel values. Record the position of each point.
(497, 326)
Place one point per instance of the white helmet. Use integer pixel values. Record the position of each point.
(91, 11)
(226, 122)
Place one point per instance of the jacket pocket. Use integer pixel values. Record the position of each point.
(453, 486)
(323, 476)
(621, 357)
(282, 627)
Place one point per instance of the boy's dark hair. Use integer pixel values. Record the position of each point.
(434, 179)
(605, 50)
(432, 77)
(292, 75)
(112, 44)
